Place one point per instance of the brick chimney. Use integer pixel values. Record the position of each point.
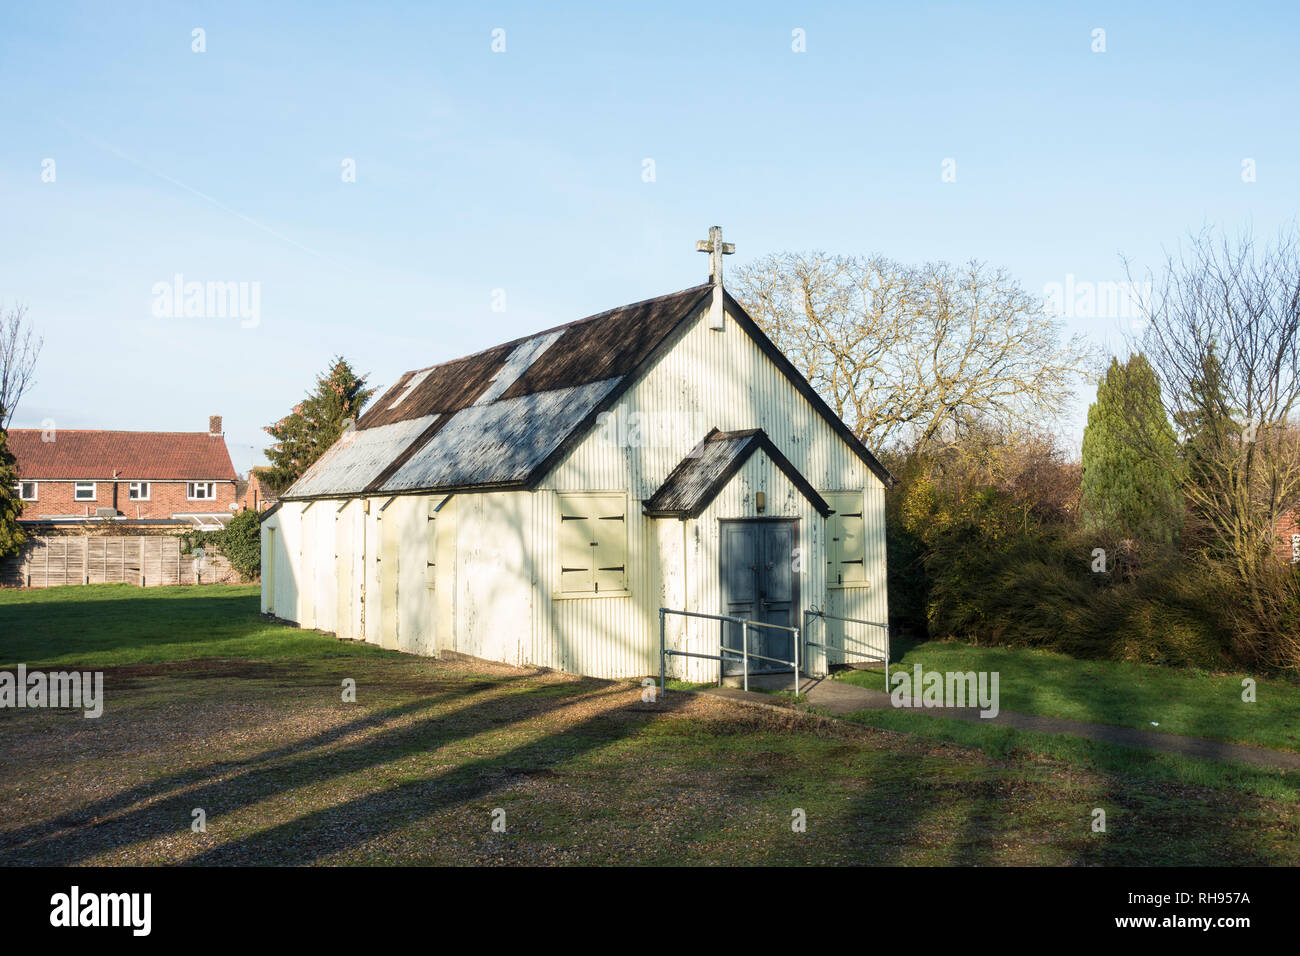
(214, 426)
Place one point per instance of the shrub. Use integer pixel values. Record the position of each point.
(1041, 591)
(983, 548)
(240, 541)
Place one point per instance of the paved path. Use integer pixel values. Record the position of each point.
(838, 698)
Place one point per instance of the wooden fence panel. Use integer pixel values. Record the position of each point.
(146, 560)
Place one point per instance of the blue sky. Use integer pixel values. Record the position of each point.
(522, 170)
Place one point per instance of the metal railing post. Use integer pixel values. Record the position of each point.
(798, 638)
(804, 635)
(796, 663)
(744, 650)
(722, 642)
(662, 656)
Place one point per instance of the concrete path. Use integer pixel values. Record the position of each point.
(838, 698)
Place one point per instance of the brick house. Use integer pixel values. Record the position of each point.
(82, 474)
(254, 494)
(1287, 544)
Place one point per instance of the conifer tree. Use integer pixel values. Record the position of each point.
(314, 424)
(1128, 488)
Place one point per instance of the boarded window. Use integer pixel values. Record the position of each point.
(845, 541)
(592, 543)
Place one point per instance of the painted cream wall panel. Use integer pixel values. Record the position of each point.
(345, 552)
(496, 563)
(350, 567)
(373, 604)
(869, 602)
(324, 567)
(445, 594)
(269, 545)
(413, 596)
(389, 570)
(287, 562)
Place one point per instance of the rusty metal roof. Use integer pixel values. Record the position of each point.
(497, 443)
(500, 417)
(705, 471)
(358, 457)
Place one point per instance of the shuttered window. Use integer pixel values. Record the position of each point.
(592, 543)
(845, 542)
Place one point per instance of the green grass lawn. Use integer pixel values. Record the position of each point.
(209, 707)
(1179, 701)
(1003, 743)
(100, 625)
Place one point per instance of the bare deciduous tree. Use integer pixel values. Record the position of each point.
(913, 354)
(19, 349)
(1224, 339)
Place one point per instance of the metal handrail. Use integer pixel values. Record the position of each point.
(743, 653)
(817, 612)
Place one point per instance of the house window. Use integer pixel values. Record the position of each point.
(593, 543)
(26, 490)
(200, 490)
(138, 491)
(845, 544)
(1295, 549)
(83, 491)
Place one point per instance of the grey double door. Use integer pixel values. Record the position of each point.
(759, 582)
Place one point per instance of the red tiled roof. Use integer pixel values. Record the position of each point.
(92, 455)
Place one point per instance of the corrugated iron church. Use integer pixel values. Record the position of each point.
(537, 503)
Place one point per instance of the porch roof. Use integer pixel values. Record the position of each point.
(705, 471)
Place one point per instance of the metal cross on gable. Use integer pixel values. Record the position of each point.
(716, 249)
